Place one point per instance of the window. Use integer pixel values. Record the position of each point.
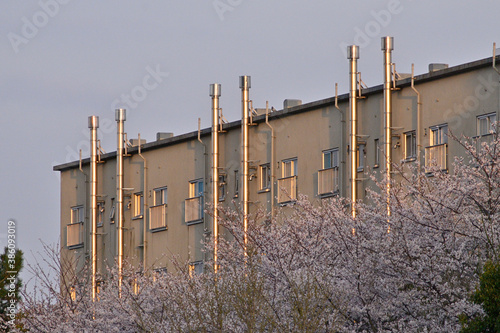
(485, 124)
(287, 185)
(331, 158)
(265, 176)
(74, 230)
(196, 188)
(376, 153)
(112, 212)
(100, 213)
(328, 176)
(193, 206)
(236, 183)
(410, 145)
(138, 205)
(160, 196)
(158, 212)
(195, 268)
(77, 214)
(439, 135)
(222, 187)
(436, 155)
(289, 168)
(361, 156)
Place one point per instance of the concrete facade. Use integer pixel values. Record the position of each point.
(306, 138)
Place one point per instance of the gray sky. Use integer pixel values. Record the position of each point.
(63, 60)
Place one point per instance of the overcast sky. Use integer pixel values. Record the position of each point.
(63, 60)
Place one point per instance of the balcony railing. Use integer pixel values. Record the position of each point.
(193, 210)
(158, 217)
(328, 181)
(287, 189)
(74, 234)
(436, 157)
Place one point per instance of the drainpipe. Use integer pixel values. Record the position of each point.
(353, 56)
(273, 176)
(120, 117)
(498, 72)
(342, 151)
(387, 47)
(145, 209)
(215, 92)
(245, 86)
(93, 125)
(419, 129)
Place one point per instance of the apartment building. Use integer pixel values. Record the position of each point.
(147, 202)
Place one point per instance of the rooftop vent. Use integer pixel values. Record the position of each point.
(437, 67)
(135, 142)
(288, 103)
(163, 135)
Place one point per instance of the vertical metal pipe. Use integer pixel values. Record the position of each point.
(145, 208)
(215, 92)
(93, 125)
(273, 176)
(387, 47)
(353, 56)
(419, 121)
(120, 116)
(245, 86)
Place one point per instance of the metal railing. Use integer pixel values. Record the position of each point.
(74, 234)
(436, 156)
(158, 217)
(328, 181)
(193, 210)
(287, 189)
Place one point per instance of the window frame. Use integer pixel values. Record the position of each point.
(442, 137)
(332, 152)
(412, 156)
(100, 213)
(163, 191)
(376, 144)
(265, 177)
(81, 214)
(222, 187)
(196, 188)
(293, 167)
(361, 156)
(236, 183)
(138, 205)
(486, 117)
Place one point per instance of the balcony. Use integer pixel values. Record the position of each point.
(287, 189)
(74, 235)
(158, 217)
(328, 181)
(436, 157)
(193, 210)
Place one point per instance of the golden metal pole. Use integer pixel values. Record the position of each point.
(353, 56)
(215, 91)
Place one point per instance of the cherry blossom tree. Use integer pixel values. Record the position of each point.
(314, 268)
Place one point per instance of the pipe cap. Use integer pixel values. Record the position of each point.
(120, 114)
(93, 122)
(215, 89)
(245, 82)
